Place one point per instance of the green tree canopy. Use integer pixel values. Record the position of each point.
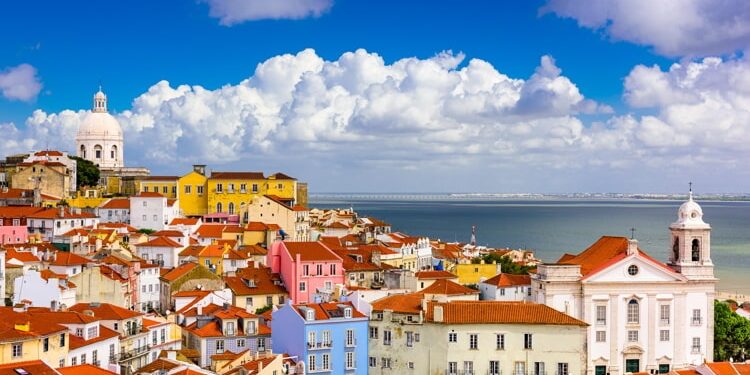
(505, 262)
(731, 334)
(87, 172)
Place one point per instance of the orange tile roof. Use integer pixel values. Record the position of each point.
(254, 366)
(167, 233)
(249, 250)
(212, 251)
(278, 201)
(281, 176)
(149, 194)
(448, 288)
(263, 282)
(179, 271)
(158, 364)
(54, 213)
(86, 369)
(400, 303)
(17, 211)
(184, 221)
(255, 226)
(237, 175)
(105, 311)
(499, 312)
(48, 153)
(64, 258)
(111, 274)
(160, 242)
(506, 279)
(38, 325)
(323, 311)
(337, 225)
(191, 251)
(116, 203)
(233, 229)
(299, 208)
(22, 256)
(36, 367)
(603, 253)
(210, 230)
(161, 178)
(430, 275)
(310, 251)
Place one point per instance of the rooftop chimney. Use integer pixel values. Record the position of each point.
(632, 246)
(199, 309)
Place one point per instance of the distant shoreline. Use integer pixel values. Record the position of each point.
(733, 197)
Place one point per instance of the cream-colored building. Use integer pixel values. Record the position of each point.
(99, 138)
(409, 335)
(269, 209)
(644, 315)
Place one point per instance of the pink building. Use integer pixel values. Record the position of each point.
(13, 224)
(309, 270)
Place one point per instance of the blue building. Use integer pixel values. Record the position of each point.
(329, 337)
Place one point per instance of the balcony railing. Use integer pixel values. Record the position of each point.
(124, 356)
(351, 342)
(319, 345)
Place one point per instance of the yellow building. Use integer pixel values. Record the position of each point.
(53, 178)
(473, 273)
(164, 185)
(192, 192)
(228, 192)
(27, 337)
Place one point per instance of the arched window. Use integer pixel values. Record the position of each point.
(113, 153)
(676, 248)
(218, 207)
(230, 208)
(633, 311)
(696, 250)
(83, 151)
(98, 151)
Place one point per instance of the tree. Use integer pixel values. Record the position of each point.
(87, 172)
(731, 334)
(145, 231)
(506, 264)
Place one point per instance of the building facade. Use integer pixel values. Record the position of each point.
(99, 137)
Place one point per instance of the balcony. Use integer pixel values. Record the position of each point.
(461, 372)
(350, 343)
(125, 356)
(319, 345)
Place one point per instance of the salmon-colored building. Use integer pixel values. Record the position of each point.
(308, 269)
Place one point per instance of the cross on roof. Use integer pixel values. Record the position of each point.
(632, 233)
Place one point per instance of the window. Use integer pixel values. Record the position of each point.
(73, 361)
(601, 336)
(386, 337)
(349, 360)
(632, 336)
(199, 189)
(633, 312)
(230, 188)
(664, 313)
(45, 344)
(188, 189)
(601, 315)
(231, 208)
(325, 361)
(255, 188)
(372, 361)
(143, 217)
(385, 362)
(347, 312)
(350, 337)
(696, 345)
(62, 339)
(452, 368)
(310, 314)
(697, 317)
(494, 368)
(218, 207)
(269, 300)
(562, 368)
(696, 251)
(83, 358)
(220, 346)
(230, 328)
(79, 332)
(302, 287)
(333, 269)
(219, 188)
(664, 335)
(95, 356)
(62, 363)
(373, 332)
(248, 301)
(473, 341)
(410, 365)
(261, 343)
(500, 341)
(519, 368)
(164, 189)
(409, 339)
(311, 363)
(468, 367)
(663, 368)
(156, 218)
(328, 285)
(452, 337)
(92, 332)
(527, 341)
(632, 270)
(243, 188)
(538, 368)
(326, 337)
(306, 270)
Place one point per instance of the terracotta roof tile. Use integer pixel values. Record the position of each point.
(255, 226)
(160, 242)
(105, 311)
(506, 279)
(497, 312)
(179, 271)
(448, 288)
(104, 334)
(87, 369)
(36, 367)
(184, 221)
(210, 230)
(262, 281)
(433, 275)
(237, 176)
(310, 251)
(149, 194)
(63, 258)
(116, 203)
(167, 233)
(400, 303)
(325, 310)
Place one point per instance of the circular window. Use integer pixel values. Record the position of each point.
(694, 214)
(633, 270)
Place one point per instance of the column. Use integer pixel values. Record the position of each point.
(614, 340)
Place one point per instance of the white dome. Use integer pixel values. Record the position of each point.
(100, 125)
(690, 214)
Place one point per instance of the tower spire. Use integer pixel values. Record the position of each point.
(690, 193)
(100, 101)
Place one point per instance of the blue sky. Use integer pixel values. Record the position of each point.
(130, 46)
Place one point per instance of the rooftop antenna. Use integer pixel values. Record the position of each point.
(632, 233)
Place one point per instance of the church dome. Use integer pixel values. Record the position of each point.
(100, 125)
(690, 214)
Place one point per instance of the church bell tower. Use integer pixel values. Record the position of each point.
(690, 252)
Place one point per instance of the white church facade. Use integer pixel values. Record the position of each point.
(643, 315)
(99, 137)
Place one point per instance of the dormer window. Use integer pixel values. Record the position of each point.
(229, 331)
(250, 328)
(310, 314)
(347, 312)
(79, 332)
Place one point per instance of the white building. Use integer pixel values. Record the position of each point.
(149, 284)
(44, 289)
(52, 223)
(99, 137)
(644, 315)
(161, 251)
(152, 210)
(506, 287)
(114, 210)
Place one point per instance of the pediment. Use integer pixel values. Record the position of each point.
(635, 269)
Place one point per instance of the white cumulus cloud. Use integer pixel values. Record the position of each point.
(671, 27)
(230, 12)
(20, 82)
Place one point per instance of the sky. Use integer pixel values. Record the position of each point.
(547, 96)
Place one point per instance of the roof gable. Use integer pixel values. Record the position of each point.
(647, 270)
